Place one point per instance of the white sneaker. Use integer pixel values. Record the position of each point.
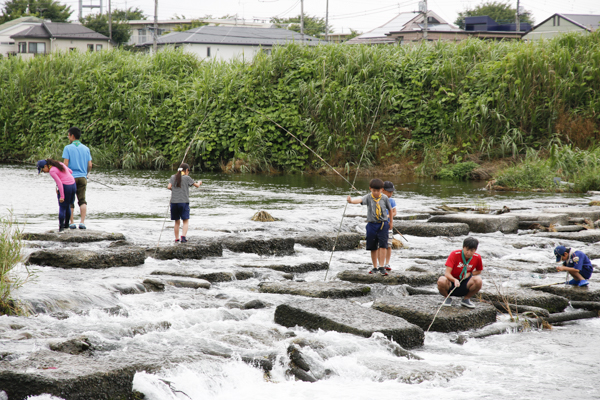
(467, 303)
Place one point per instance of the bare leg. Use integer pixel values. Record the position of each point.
(388, 255)
(177, 229)
(72, 212)
(83, 212)
(474, 286)
(374, 254)
(444, 286)
(576, 275)
(381, 256)
(186, 223)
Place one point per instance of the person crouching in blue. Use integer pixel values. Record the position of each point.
(576, 263)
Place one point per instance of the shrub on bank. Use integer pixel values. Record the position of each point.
(10, 257)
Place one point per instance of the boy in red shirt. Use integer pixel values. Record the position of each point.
(466, 280)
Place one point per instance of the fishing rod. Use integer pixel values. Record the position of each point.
(552, 284)
(91, 180)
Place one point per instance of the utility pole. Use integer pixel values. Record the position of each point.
(109, 21)
(154, 44)
(423, 10)
(302, 19)
(517, 18)
(327, 21)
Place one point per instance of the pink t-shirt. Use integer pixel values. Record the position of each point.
(62, 178)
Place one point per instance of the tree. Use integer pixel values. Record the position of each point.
(313, 26)
(500, 12)
(129, 14)
(196, 23)
(47, 9)
(121, 31)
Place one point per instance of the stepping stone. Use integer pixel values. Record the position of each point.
(393, 278)
(182, 251)
(74, 236)
(262, 247)
(521, 265)
(93, 259)
(420, 310)
(525, 296)
(333, 290)
(431, 229)
(586, 293)
(209, 276)
(587, 236)
(324, 242)
(545, 219)
(592, 213)
(298, 269)
(188, 283)
(348, 317)
(482, 223)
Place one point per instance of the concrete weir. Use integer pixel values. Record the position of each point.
(586, 293)
(527, 297)
(263, 247)
(420, 310)
(325, 242)
(335, 290)
(587, 236)
(190, 250)
(393, 278)
(482, 223)
(127, 256)
(74, 236)
(431, 229)
(348, 317)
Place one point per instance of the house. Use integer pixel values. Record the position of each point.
(48, 37)
(229, 42)
(562, 23)
(8, 46)
(485, 27)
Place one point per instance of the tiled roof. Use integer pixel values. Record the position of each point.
(59, 30)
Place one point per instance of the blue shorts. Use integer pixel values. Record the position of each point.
(180, 211)
(377, 235)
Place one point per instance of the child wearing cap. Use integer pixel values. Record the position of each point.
(65, 184)
(179, 185)
(388, 190)
(378, 225)
(576, 263)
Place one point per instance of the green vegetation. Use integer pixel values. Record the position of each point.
(10, 257)
(501, 12)
(121, 31)
(46, 9)
(459, 171)
(313, 26)
(433, 105)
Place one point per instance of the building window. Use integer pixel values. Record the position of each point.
(141, 32)
(72, 49)
(558, 21)
(37, 48)
(98, 47)
(22, 47)
(208, 52)
(90, 47)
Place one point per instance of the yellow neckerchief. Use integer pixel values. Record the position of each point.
(377, 208)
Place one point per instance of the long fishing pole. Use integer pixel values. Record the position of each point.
(444, 302)
(92, 180)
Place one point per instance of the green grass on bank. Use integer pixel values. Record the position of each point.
(10, 257)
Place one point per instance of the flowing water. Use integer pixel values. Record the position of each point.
(185, 329)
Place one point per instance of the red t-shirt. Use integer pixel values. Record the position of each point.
(455, 262)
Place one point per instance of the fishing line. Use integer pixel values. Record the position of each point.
(91, 180)
(443, 302)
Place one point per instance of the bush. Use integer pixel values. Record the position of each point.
(457, 172)
(10, 257)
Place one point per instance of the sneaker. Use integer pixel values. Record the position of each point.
(387, 267)
(82, 226)
(176, 240)
(183, 239)
(573, 282)
(383, 271)
(447, 302)
(61, 229)
(72, 226)
(583, 282)
(467, 303)
(373, 271)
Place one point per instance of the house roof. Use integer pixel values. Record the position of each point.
(17, 21)
(59, 30)
(236, 35)
(589, 22)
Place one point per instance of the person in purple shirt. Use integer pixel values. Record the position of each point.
(576, 263)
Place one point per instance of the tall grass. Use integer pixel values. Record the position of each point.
(141, 111)
(10, 257)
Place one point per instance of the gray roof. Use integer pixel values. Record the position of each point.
(17, 21)
(236, 35)
(59, 30)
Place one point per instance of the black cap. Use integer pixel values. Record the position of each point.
(388, 186)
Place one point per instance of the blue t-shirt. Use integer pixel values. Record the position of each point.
(393, 204)
(581, 262)
(78, 156)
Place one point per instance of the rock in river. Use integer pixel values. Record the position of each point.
(588, 236)
(324, 242)
(393, 277)
(420, 310)
(586, 293)
(80, 258)
(482, 223)
(74, 236)
(298, 269)
(431, 229)
(316, 289)
(262, 247)
(348, 317)
(525, 296)
(190, 250)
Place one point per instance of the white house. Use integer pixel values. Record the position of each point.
(229, 42)
(48, 37)
(8, 46)
(562, 23)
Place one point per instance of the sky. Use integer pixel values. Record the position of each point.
(343, 14)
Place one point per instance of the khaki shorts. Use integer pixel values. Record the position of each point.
(81, 186)
(390, 238)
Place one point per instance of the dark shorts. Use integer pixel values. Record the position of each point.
(377, 236)
(180, 211)
(461, 290)
(81, 184)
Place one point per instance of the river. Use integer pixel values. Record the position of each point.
(552, 364)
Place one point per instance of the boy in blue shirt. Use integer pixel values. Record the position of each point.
(576, 263)
(77, 157)
(388, 190)
(377, 223)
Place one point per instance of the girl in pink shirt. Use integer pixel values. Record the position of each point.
(66, 188)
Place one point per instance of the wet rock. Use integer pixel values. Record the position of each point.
(431, 229)
(288, 276)
(116, 310)
(59, 315)
(234, 304)
(72, 346)
(482, 223)
(298, 269)
(296, 358)
(208, 276)
(24, 336)
(332, 290)
(592, 213)
(421, 309)
(94, 259)
(393, 277)
(264, 363)
(301, 375)
(527, 297)
(254, 304)
(519, 308)
(411, 373)
(188, 283)
(152, 327)
(74, 236)
(588, 236)
(262, 247)
(16, 327)
(325, 242)
(571, 292)
(394, 348)
(545, 219)
(586, 305)
(154, 284)
(190, 250)
(413, 291)
(119, 243)
(569, 228)
(344, 316)
(130, 288)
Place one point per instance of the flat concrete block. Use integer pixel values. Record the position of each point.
(592, 213)
(335, 290)
(431, 229)
(262, 247)
(74, 236)
(393, 278)
(297, 269)
(222, 276)
(585, 293)
(325, 242)
(348, 317)
(79, 258)
(190, 250)
(525, 296)
(587, 236)
(542, 218)
(188, 283)
(482, 223)
(420, 310)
